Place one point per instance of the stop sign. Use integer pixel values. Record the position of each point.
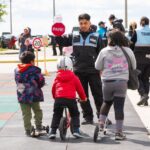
(58, 29)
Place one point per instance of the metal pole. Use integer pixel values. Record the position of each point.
(54, 10)
(11, 17)
(126, 13)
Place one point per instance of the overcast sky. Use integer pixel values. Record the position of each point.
(38, 14)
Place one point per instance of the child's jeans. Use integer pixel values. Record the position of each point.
(59, 105)
(27, 115)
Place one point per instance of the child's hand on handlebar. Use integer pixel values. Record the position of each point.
(83, 101)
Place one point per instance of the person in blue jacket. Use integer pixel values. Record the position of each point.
(141, 39)
(102, 31)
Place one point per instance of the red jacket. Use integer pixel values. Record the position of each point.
(66, 85)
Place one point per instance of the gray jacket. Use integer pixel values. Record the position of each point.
(113, 63)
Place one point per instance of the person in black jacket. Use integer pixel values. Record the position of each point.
(24, 39)
(86, 47)
(116, 23)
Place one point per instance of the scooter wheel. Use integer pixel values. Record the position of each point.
(96, 131)
(105, 132)
(47, 129)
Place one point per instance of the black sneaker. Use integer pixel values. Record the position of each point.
(146, 103)
(86, 122)
(143, 100)
(52, 134)
(28, 133)
(120, 136)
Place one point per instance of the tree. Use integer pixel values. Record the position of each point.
(2, 11)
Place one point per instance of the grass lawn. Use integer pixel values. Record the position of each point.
(2, 49)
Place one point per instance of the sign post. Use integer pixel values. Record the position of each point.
(45, 44)
(37, 44)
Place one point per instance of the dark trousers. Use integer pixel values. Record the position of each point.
(58, 112)
(144, 78)
(93, 80)
(55, 51)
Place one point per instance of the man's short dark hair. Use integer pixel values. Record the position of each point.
(84, 16)
(112, 17)
(26, 57)
(144, 21)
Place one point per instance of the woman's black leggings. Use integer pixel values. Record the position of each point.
(118, 107)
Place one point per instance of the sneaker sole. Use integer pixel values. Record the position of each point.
(52, 138)
(119, 138)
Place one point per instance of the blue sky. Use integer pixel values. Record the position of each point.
(38, 14)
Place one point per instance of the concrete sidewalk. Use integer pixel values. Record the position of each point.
(12, 133)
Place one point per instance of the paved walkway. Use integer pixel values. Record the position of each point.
(12, 133)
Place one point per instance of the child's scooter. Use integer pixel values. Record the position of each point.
(36, 133)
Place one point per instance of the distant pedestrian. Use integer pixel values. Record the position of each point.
(102, 32)
(132, 30)
(22, 40)
(116, 23)
(141, 39)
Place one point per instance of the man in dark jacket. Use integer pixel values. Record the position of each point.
(116, 23)
(86, 47)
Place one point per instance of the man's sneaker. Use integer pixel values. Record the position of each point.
(52, 134)
(120, 136)
(77, 134)
(86, 122)
(143, 100)
(146, 103)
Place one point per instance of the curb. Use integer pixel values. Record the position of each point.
(9, 53)
(14, 61)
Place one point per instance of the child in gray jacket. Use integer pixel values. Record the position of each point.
(114, 74)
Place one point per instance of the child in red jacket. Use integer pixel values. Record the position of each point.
(64, 90)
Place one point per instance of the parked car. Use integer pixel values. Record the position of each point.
(8, 40)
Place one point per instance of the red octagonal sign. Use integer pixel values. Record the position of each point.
(58, 29)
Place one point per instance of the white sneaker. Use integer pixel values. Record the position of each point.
(120, 136)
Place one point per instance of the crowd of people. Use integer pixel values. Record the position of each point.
(98, 62)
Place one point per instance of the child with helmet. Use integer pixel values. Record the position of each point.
(64, 89)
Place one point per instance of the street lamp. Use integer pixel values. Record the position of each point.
(11, 16)
(54, 10)
(126, 13)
